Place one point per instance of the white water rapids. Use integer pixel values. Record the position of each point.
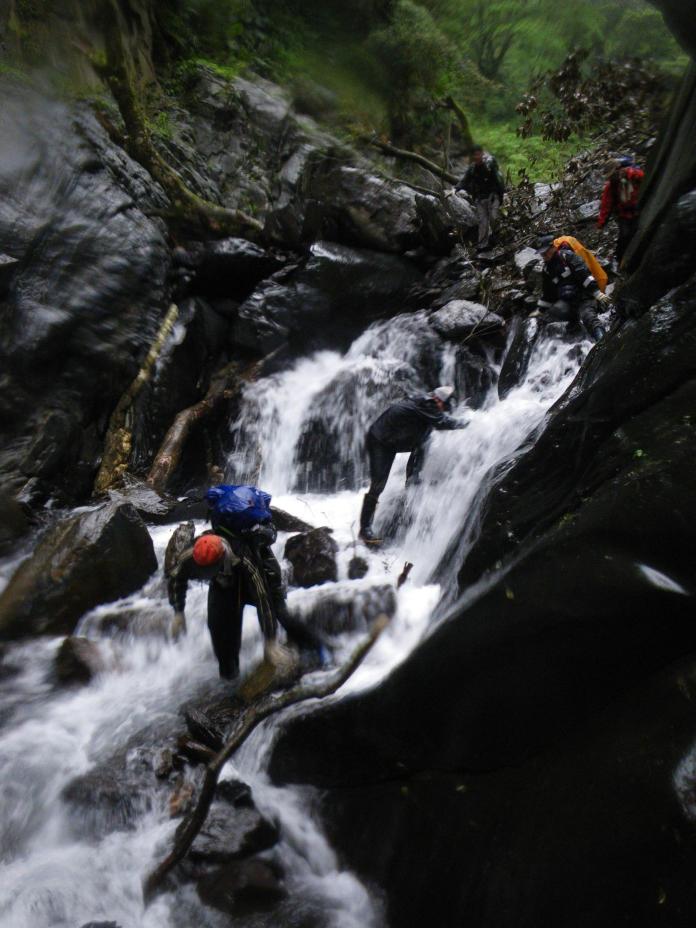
(54, 871)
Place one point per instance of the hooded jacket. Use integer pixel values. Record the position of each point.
(620, 195)
(406, 425)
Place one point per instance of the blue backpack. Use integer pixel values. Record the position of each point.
(238, 508)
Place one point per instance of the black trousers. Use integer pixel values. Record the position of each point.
(627, 229)
(585, 311)
(226, 609)
(381, 458)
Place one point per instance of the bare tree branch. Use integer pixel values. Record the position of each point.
(411, 156)
(248, 719)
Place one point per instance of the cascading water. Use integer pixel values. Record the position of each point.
(300, 437)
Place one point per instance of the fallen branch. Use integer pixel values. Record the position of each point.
(248, 719)
(410, 156)
(119, 438)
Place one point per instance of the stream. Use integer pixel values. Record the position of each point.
(299, 437)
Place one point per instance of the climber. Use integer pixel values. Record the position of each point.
(238, 563)
(569, 290)
(484, 183)
(620, 197)
(404, 426)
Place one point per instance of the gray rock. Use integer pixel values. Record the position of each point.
(525, 257)
(460, 318)
(357, 568)
(232, 833)
(587, 211)
(313, 557)
(87, 559)
(78, 660)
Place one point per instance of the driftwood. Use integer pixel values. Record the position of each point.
(224, 386)
(403, 576)
(413, 156)
(247, 720)
(118, 70)
(119, 438)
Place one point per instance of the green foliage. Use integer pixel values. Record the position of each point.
(415, 58)
(535, 158)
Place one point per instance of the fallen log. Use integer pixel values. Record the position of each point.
(225, 386)
(119, 437)
(247, 720)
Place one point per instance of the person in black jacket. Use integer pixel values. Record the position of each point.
(484, 183)
(405, 426)
(240, 569)
(569, 292)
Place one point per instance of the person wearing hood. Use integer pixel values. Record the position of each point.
(620, 198)
(404, 426)
(569, 292)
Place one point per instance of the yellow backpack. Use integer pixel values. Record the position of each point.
(595, 268)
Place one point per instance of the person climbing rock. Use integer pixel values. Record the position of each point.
(236, 559)
(404, 426)
(484, 183)
(620, 198)
(569, 291)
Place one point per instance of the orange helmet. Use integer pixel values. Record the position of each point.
(208, 550)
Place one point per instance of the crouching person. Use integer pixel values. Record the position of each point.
(237, 562)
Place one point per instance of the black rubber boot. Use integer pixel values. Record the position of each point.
(366, 515)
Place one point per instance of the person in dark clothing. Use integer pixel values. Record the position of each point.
(241, 569)
(620, 198)
(484, 183)
(405, 426)
(569, 291)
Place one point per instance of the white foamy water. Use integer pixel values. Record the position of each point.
(54, 871)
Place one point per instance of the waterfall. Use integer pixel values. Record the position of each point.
(299, 436)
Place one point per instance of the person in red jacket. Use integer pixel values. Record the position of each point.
(620, 196)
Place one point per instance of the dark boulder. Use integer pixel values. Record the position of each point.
(87, 559)
(316, 306)
(231, 834)
(243, 887)
(523, 337)
(78, 660)
(474, 375)
(14, 523)
(313, 557)
(336, 610)
(228, 268)
(358, 568)
(87, 294)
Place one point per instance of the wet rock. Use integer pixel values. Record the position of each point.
(101, 925)
(474, 375)
(243, 887)
(315, 306)
(181, 540)
(229, 268)
(525, 333)
(8, 266)
(232, 833)
(313, 557)
(357, 568)
(587, 211)
(78, 660)
(462, 318)
(14, 523)
(86, 559)
(286, 522)
(89, 289)
(235, 793)
(344, 609)
(525, 257)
